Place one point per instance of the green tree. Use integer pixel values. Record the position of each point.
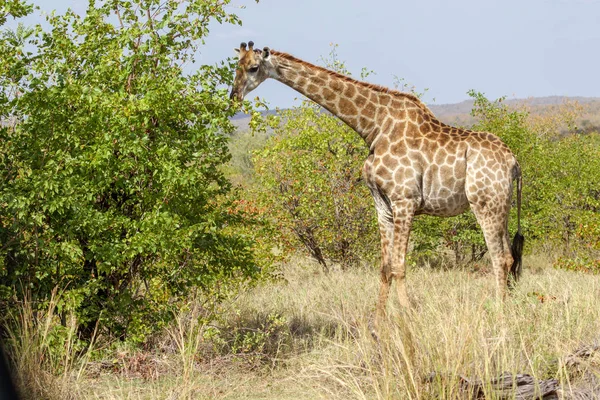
(13, 8)
(111, 158)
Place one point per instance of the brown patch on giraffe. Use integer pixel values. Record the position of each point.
(371, 136)
(498, 157)
(405, 161)
(318, 81)
(412, 130)
(492, 138)
(492, 164)
(381, 113)
(369, 111)
(347, 107)
(382, 143)
(312, 88)
(397, 103)
(444, 193)
(328, 94)
(350, 91)
(301, 82)
(374, 97)
(390, 162)
(398, 113)
(304, 72)
(387, 124)
(336, 86)
(420, 119)
(443, 139)
(398, 148)
(323, 75)
(386, 185)
(292, 75)
(366, 124)
(364, 91)
(425, 128)
(397, 131)
(384, 99)
(395, 136)
(412, 114)
(446, 172)
(361, 101)
(440, 156)
(383, 172)
(455, 146)
(400, 175)
(428, 147)
(413, 142)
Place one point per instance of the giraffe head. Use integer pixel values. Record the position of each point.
(254, 66)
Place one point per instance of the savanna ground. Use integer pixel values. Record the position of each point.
(308, 335)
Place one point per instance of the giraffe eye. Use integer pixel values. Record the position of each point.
(253, 69)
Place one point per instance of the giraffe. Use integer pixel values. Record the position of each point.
(416, 164)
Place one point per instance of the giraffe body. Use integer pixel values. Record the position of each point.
(416, 164)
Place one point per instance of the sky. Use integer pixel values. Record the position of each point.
(513, 48)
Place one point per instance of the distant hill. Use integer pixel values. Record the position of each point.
(459, 114)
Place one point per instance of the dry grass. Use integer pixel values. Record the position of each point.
(46, 354)
(308, 336)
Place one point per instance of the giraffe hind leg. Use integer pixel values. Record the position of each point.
(495, 230)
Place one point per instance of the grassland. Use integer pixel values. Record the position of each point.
(308, 335)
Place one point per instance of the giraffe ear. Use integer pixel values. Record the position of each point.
(266, 53)
(237, 51)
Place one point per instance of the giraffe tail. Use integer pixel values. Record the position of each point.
(518, 241)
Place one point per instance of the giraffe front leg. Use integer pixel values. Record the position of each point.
(404, 212)
(386, 230)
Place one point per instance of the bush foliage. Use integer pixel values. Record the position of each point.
(111, 158)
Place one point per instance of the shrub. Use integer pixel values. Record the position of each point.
(111, 162)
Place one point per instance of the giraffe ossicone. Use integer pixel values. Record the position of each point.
(416, 164)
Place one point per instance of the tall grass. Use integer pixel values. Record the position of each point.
(310, 335)
(455, 329)
(44, 351)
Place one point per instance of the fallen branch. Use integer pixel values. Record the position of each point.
(583, 366)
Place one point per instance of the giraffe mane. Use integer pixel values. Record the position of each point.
(346, 78)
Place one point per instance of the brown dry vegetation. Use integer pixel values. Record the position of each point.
(308, 336)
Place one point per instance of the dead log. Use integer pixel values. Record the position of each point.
(509, 386)
(583, 368)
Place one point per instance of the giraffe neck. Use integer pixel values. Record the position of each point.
(368, 109)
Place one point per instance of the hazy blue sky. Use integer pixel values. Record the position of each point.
(517, 48)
